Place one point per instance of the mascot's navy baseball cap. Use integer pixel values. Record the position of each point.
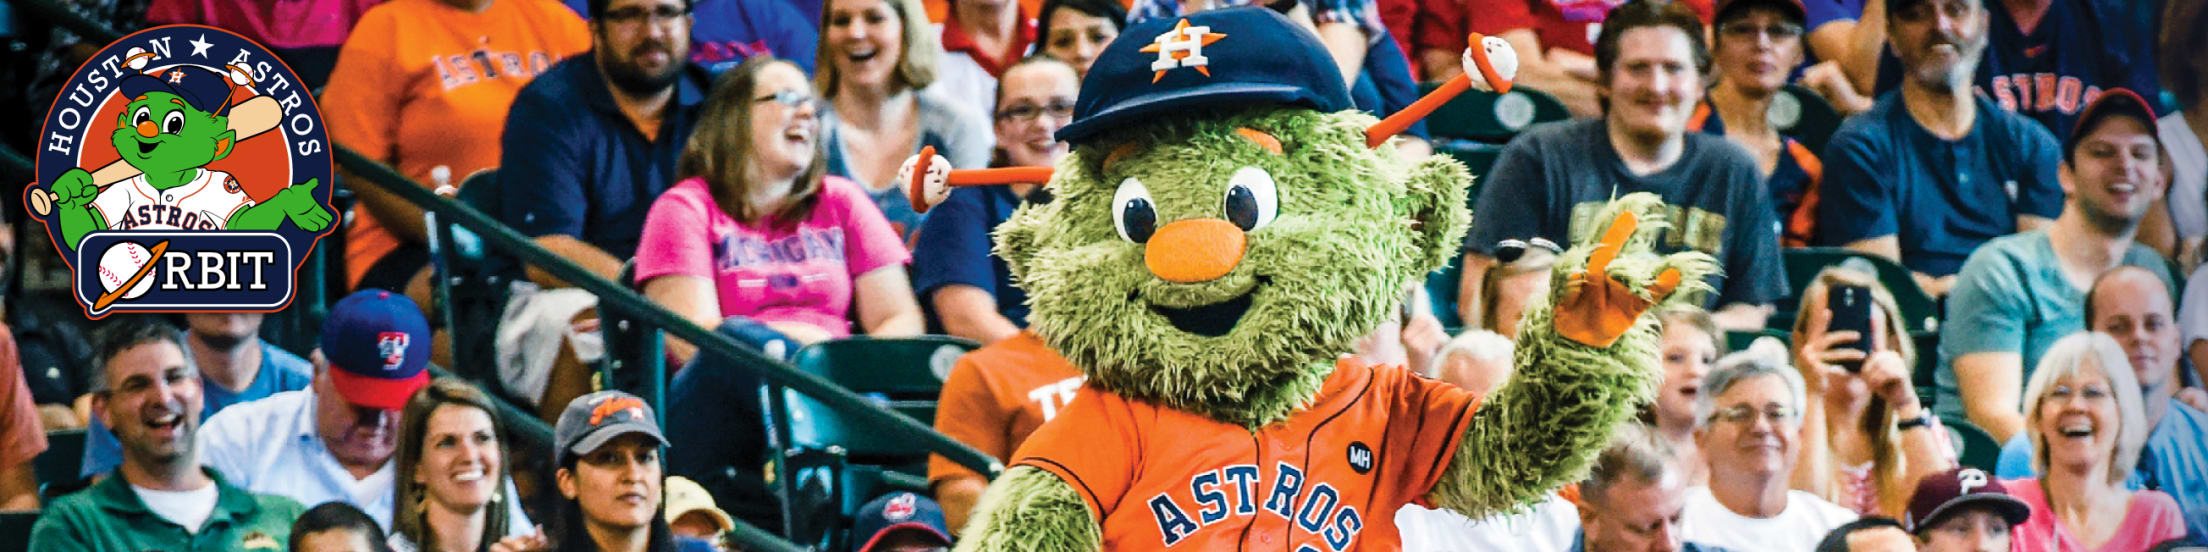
(1228, 57)
(205, 89)
(377, 343)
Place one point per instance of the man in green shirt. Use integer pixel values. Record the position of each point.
(160, 499)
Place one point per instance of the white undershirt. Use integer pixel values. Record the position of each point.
(187, 508)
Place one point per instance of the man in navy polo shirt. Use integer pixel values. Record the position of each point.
(2047, 59)
(587, 147)
(1932, 170)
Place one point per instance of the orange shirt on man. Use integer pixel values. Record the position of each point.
(999, 394)
(421, 84)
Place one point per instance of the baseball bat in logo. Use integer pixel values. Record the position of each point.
(183, 168)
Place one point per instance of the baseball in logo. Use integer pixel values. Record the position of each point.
(183, 168)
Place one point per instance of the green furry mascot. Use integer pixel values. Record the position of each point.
(1221, 233)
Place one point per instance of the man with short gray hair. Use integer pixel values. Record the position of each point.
(1748, 424)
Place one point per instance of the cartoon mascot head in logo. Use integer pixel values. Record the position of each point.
(1224, 228)
(179, 119)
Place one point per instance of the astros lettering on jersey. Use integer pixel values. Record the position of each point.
(1329, 477)
(204, 203)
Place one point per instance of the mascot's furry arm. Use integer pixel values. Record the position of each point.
(1585, 362)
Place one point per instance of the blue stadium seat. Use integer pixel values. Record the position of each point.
(1975, 447)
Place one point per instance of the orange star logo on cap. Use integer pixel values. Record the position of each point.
(1181, 47)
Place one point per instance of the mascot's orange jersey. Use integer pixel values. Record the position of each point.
(1328, 478)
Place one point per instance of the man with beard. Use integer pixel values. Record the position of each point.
(2018, 294)
(2047, 59)
(161, 499)
(587, 147)
(1932, 171)
(334, 440)
(234, 364)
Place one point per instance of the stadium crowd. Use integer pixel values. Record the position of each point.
(1972, 316)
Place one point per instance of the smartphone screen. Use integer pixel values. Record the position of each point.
(1851, 311)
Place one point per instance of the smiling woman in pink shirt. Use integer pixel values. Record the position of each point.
(757, 230)
(2087, 424)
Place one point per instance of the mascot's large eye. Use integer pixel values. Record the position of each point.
(172, 123)
(1132, 213)
(141, 116)
(1252, 200)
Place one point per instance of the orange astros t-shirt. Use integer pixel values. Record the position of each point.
(999, 394)
(1328, 478)
(421, 83)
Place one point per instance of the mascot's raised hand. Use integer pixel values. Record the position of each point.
(1224, 228)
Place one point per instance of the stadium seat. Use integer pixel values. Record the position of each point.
(1918, 308)
(1974, 447)
(811, 442)
(470, 289)
(1806, 116)
(634, 350)
(1738, 340)
(15, 530)
(57, 468)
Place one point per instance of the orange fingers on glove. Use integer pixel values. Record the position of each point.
(1597, 309)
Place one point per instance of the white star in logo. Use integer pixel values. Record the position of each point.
(200, 46)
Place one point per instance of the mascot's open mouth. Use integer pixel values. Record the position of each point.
(145, 148)
(1211, 320)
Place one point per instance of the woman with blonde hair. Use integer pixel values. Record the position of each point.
(1866, 439)
(877, 59)
(451, 464)
(2087, 423)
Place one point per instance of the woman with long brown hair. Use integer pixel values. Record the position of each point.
(452, 468)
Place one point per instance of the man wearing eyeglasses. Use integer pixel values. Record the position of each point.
(586, 149)
(1749, 423)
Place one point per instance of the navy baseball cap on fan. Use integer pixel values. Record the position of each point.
(1943, 494)
(893, 512)
(204, 89)
(1226, 57)
(2114, 101)
(377, 343)
(1792, 8)
(590, 421)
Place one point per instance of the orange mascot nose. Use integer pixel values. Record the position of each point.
(1195, 250)
(147, 129)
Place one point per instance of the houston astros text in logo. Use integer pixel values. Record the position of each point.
(183, 169)
(1182, 47)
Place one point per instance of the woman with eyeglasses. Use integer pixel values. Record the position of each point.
(877, 60)
(452, 465)
(970, 290)
(1758, 44)
(2087, 423)
(1866, 438)
(757, 232)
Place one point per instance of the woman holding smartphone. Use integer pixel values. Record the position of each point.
(1868, 440)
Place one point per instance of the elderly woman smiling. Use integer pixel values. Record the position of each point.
(2086, 422)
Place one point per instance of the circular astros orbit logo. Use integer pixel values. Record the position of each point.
(183, 168)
